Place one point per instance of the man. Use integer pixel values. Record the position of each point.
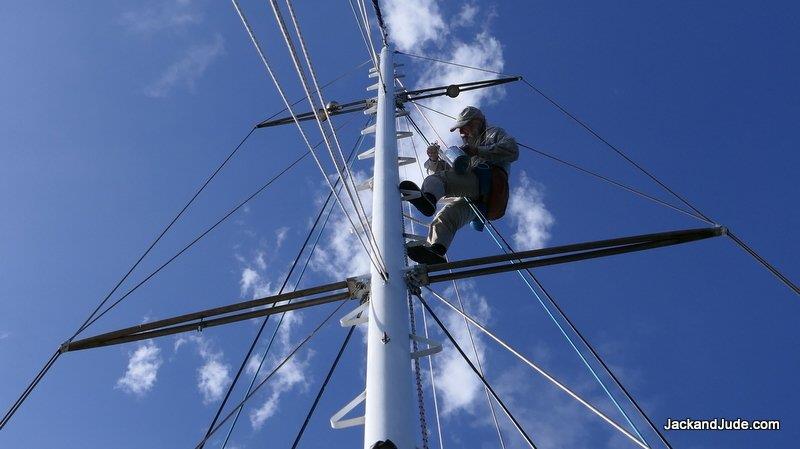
(491, 151)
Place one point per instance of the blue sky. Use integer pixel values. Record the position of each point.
(114, 112)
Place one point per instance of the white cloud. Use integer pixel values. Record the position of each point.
(292, 375)
(212, 379)
(339, 252)
(213, 376)
(250, 280)
(254, 282)
(484, 51)
(528, 214)
(413, 23)
(460, 388)
(260, 260)
(280, 236)
(188, 69)
(142, 371)
(467, 14)
(162, 16)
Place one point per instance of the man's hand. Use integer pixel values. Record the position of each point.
(433, 152)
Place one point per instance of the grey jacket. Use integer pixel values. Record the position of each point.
(496, 147)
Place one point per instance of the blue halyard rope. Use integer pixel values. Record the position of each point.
(491, 228)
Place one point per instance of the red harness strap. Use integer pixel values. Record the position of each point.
(498, 194)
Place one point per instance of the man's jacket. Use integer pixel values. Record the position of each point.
(496, 147)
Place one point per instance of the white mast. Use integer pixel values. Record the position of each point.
(389, 401)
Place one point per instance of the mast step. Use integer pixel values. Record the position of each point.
(396, 75)
(408, 195)
(336, 420)
(372, 69)
(404, 160)
(366, 185)
(414, 237)
(433, 347)
(367, 154)
(356, 316)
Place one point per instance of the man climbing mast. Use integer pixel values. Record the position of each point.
(480, 175)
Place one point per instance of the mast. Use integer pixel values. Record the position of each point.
(389, 394)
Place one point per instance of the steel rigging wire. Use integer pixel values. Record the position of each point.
(356, 146)
(375, 262)
(272, 373)
(322, 388)
(32, 385)
(747, 248)
(277, 327)
(90, 319)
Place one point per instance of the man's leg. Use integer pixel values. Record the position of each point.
(451, 184)
(452, 217)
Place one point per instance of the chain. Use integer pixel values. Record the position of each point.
(418, 378)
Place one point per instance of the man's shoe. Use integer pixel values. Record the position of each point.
(428, 255)
(426, 203)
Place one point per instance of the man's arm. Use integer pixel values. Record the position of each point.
(504, 148)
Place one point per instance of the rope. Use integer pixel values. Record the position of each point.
(354, 197)
(363, 35)
(363, 11)
(322, 388)
(272, 373)
(275, 81)
(477, 373)
(423, 424)
(540, 370)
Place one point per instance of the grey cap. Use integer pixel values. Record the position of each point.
(469, 113)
